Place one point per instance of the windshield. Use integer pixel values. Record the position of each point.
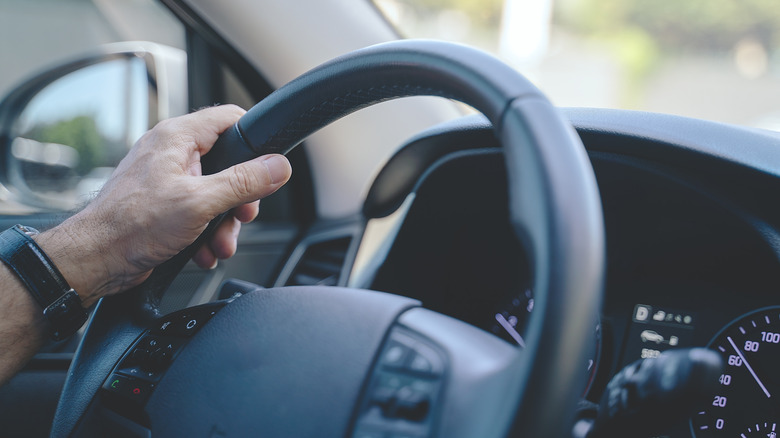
(710, 59)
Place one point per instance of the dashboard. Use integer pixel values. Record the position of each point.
(692, 218)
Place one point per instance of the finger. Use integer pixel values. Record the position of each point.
(211, 122)
(246, 212)
(199, 131)
(225, 238)
(204, 258)
(244, 183)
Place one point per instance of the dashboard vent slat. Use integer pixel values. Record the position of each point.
(321, 263)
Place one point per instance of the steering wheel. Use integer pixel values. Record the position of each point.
(320, 361)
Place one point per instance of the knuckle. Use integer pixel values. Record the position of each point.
(166, 128)
(243, 183)
(234, 108)
(174, 130)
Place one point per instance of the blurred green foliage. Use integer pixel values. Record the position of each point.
(81, 134)
(483, 13)
(679, 25)
(642, 33)
(674, 25)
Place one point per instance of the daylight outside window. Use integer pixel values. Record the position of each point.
(711, 59)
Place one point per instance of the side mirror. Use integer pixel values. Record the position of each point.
(63, 132)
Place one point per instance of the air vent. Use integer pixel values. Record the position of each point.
(321, 263)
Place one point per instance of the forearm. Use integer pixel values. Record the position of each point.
(23, 329)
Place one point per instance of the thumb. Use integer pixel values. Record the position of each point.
(245, 182)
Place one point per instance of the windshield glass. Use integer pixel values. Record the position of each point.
(711, 59)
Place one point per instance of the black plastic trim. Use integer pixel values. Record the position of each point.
(705, 147)
(249, 76)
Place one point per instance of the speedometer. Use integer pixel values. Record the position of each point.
(510, 321)
(747, 403)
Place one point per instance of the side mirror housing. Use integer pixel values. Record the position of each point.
(63, 131)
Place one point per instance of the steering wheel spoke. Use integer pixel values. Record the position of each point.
(478, 367)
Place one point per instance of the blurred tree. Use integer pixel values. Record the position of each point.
(81, 134)
(644, 32)
(483, 13)
(690, 25)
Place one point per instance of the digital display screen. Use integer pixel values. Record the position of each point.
(655, 329)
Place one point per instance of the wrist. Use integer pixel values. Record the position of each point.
(80, 260)
(61, 305)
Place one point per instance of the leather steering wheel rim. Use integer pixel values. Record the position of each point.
(554, 206)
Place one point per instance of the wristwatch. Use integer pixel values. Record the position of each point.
(61, 304)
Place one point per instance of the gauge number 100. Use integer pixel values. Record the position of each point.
(772, 338)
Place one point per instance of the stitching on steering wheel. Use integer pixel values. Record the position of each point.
(349, 102)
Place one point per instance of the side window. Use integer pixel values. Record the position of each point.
(36, 34)
(72, 133)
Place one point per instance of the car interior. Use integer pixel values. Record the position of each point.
(456, 256)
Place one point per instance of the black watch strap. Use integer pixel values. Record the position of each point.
(61, 304)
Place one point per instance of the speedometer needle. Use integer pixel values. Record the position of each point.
(510, 329)
(747, 365)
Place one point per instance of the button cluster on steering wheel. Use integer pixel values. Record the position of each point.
(404, 388)
(143, 365)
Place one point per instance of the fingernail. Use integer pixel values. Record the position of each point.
(277, 166)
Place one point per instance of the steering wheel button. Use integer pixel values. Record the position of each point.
(187, 325)
(392, 380)
(383, 396)
(128, 387)
(115, 383)
(141, 373)
(395, 355)
(148, 343)
(139, 391)
(139, 356)
(132, 371)
(425, 360)
(412, 405)
(420, 364)
(164, 326)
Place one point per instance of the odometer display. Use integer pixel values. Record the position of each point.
(747, 403)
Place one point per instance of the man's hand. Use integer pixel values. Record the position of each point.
(157, 202)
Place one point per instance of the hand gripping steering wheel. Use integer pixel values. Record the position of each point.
(333, 362)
